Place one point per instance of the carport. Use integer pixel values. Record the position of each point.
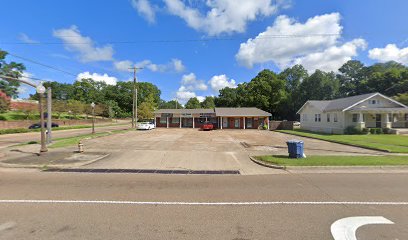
(241, 118)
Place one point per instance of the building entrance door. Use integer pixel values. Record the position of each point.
(378, 120)
(237, 123)
(224, 122)
(187, 122)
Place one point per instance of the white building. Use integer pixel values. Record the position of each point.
(372, 110)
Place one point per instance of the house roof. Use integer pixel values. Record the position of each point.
(241, 112)
(187, 111)
(343, 104)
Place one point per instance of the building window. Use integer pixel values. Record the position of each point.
(328, 117)
(318, 118)
(163, 120)
(355, 117)
(374, 102)
(175, 120)
(335, 117)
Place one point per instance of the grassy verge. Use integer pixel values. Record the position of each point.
(26, 130)
(72, 141)
(19, 115)
(336, 160)
(383, 142)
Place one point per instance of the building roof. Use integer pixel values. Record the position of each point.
(187, 111)
(343, 104)
(241, 112)
(220, 112)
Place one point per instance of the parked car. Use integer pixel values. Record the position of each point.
(296, 124)
(145, 126)
(207, 126)
(38, 125)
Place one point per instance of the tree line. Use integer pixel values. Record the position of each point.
(281, 94)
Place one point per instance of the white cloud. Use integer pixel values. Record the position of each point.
(183, 95)
(98, 77)
(84, 46)
(224, 16)
(390, 53)
(123, 65)
(145, 9)
(190, 82)
(175, 65)
(219, 82)
(281, 50)
(26, 39)
(201, 98)
(332, 58)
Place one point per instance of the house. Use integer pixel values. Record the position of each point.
(372, 110)
(222, 118)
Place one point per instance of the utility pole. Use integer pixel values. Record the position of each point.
(49, 115)
(134, 105)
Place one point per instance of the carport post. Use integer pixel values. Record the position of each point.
(221, 122)
(167, 122)
(193, 123)
(244, 123)
(180, 122)
(267, 122)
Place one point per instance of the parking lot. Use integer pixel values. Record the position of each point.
(191, 149)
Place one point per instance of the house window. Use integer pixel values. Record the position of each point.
(163, 120)
(175, 120)
(328, 117)
(355, 117)
(318, 118)
(335, 117)
(374, 102)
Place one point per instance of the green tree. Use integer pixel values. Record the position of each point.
(402, 98)
(352, 78)
(145, 110)
(293, 78)
(208, 102)
(170, 104)
(193, 103)
(227, 97)
(75, 107)
(320, 86)
(11, 69)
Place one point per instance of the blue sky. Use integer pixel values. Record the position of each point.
(193, 48)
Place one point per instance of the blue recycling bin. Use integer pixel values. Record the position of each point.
(295, 148)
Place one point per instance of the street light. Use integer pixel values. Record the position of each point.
(41, 90)
(93, 117)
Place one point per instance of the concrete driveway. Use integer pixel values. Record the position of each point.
(191, 149)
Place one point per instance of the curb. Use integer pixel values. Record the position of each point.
(332, 141)
(79, 164)
(269, 165)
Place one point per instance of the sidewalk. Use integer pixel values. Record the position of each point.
(27, 156)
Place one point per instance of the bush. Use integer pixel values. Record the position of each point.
(265, 127)
(3, 118)
(379, 131)
(351, 130)
(365, 131)
(372, 130)
(387, 130)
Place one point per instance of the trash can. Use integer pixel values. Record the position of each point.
(295, 148)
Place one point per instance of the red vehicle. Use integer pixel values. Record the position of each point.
(207, 126)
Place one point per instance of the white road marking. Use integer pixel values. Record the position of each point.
(39, 201)
(345, 228)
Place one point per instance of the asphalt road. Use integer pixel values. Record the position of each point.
(143, 206)
(7, 140)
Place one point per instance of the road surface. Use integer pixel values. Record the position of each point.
(41, 205)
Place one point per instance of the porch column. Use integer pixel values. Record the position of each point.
(167, 122)
(193, 123)
(180, 122)
(221, 122)
(387, 119)
(155, 120)
(361, 123)
(244, 123)
(267, 122)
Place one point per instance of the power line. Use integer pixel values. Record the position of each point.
(42, 64)
(277, 36)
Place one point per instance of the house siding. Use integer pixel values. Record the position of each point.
(309, 124)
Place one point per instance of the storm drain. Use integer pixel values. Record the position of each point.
(192, 172)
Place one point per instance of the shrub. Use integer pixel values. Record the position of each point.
(351, 130)
(379, 131)
(365, 131)
(4, 102)
(386, 130)
(372, 130)
(265, 127)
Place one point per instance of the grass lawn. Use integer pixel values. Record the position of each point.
(336, 160)
(385, 142)
(71, 141)
(19, 115)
